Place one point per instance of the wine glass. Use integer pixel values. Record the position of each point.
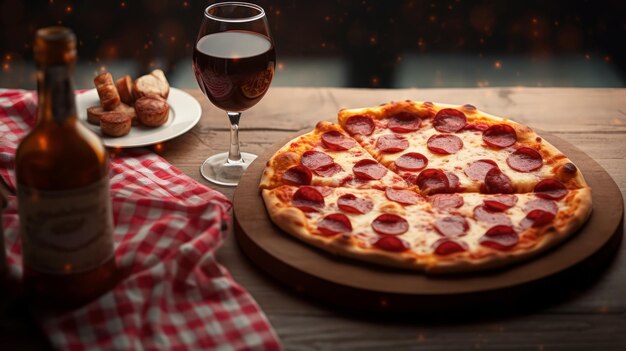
(233, 62)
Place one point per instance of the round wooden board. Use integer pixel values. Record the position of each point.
(359, 285)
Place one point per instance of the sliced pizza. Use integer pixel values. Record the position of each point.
(444, 149)
(327, 156)
(439, 233)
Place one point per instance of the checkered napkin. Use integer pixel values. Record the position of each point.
(174, 295)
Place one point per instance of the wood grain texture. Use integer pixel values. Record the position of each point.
(589, 315)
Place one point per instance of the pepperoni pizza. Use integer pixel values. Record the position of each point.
(425, 186)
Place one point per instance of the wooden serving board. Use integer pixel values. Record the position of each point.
(359, 285)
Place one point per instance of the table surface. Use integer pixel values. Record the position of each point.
(590, 316)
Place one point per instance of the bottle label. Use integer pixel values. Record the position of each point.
(66, 231)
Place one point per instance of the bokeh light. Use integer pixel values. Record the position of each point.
(343, 43)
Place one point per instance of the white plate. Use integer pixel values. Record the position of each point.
(185, 112)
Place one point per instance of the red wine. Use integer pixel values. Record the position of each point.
(235, 68)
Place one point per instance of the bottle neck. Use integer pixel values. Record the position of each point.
(55, 92)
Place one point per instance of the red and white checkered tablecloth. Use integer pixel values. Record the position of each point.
(174, 296)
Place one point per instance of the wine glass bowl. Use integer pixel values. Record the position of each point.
(233, 61)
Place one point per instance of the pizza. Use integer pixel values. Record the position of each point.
(424, 186)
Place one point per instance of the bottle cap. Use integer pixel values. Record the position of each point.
(55, 46)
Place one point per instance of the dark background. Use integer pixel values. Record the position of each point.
(385, 44)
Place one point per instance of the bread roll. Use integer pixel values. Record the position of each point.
(125, 89)
(129, 111)
(109, 98)
(152, 110)
(154, 83)
(95, 113)
(115, 124)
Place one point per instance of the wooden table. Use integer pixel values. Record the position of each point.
(590, 317)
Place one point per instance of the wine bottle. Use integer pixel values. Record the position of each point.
(66, 225)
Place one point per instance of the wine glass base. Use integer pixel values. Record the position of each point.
(217, 169)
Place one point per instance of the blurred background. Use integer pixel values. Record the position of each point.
(342, 43)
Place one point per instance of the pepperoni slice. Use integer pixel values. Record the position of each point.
(411, 161)
(367, 169)
(477, 170)
(308, 199)
(500, 203)
(363, 125)
(550, 189)
(432, 181)
(333, 224)
(540, 217)
(453, 182)
(337, 141)
(390, 224)
(444, 144)
(445, 201)
(297, 175)
(500, 136)
(525, 159)
(352, 204)
(391, 243)
(329, 170)
(324, 190)
(500, 237)
(497, 182)
(451, 226)
(315, 159)
(391, 143)
(404, 122)
(481, 127)
(445, 247)
(449, 120)
(484, 214)
(541, 204)
(403, 196)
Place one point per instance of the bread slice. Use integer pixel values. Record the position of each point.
(154, 83)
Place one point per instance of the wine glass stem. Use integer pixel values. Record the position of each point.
(234, 156)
